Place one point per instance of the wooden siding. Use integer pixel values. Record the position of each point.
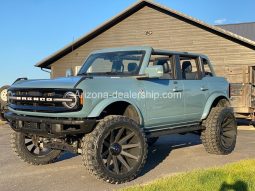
(167, 33)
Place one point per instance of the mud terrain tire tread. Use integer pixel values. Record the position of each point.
(211, 135)
(90, 145)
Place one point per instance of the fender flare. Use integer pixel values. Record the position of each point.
(209, 103)
(98, 109)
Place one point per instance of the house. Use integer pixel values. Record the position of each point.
(148, 23)
(246, 30)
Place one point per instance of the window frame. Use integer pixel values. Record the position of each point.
(192, 57)
(142, 52)
(203, 68)
(171, 59)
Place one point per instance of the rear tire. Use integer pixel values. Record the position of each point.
(220, 134)
(115, 151)
(29, 152)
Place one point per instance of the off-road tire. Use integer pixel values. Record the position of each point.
(3, 102)
(2, 117)
(151, 141)
(93, 147)
(219, 136)
(21, 150)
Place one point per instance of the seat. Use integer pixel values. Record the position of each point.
(166, 68)
(117, 67)
(187, 71)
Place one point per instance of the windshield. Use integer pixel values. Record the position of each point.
(113, 63)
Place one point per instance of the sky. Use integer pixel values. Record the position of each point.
(31, 30)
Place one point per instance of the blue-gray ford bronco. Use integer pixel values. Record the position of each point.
(118, 104)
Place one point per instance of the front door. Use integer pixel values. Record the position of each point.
(164, 99)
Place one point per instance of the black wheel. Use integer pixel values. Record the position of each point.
(151, 141)
(30, 150)
(116, 150)
(220, 134)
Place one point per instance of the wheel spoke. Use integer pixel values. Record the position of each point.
(111, 137)
(228, 134)
(121, 159)
(227, 141)
(226, 129)
(108, 161)
(129, 146)
(227, 123)
(117, 138)
(106, 144)
(124, 139)
(29, 143)
(105, 153)
(33, 149)
(115, 164)
(129, 155)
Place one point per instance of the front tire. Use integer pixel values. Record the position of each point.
(219, 136)
(28, 150)
(116, 150)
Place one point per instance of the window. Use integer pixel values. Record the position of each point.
(207, 70)
(190, 68)
(113, 63)
(166, 62)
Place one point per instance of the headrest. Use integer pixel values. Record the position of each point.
(132, 67)
(164, 64)
(187, 67)
(117, 66)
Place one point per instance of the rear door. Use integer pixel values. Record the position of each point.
(195, 90)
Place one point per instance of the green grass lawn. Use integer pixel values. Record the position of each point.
(238, 176)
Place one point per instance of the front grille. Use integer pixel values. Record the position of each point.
(39, 100)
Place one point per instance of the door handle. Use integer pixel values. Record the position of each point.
(177, 90)
(204, 89)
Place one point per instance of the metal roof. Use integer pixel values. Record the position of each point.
(129, 11)
(246, 30)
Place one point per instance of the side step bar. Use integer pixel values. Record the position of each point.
(173, 130)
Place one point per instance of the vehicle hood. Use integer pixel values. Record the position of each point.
(68, 83)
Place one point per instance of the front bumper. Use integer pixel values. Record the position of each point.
(50, 127)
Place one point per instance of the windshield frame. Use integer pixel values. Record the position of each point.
(84, 68)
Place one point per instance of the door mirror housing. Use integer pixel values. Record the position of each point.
(69, 72)
(154, 71)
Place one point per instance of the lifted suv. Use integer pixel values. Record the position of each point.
(122, 100)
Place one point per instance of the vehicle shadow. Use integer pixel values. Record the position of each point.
(244, 122)
(158, 152)
(237, 186)
(163, 147)
(66, 155)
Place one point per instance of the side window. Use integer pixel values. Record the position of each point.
(190, 68)
(206, 69)
(166, 62)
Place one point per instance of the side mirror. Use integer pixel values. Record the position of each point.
(69, 72)
(154, 71)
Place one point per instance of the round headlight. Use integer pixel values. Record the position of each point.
(73, 100)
